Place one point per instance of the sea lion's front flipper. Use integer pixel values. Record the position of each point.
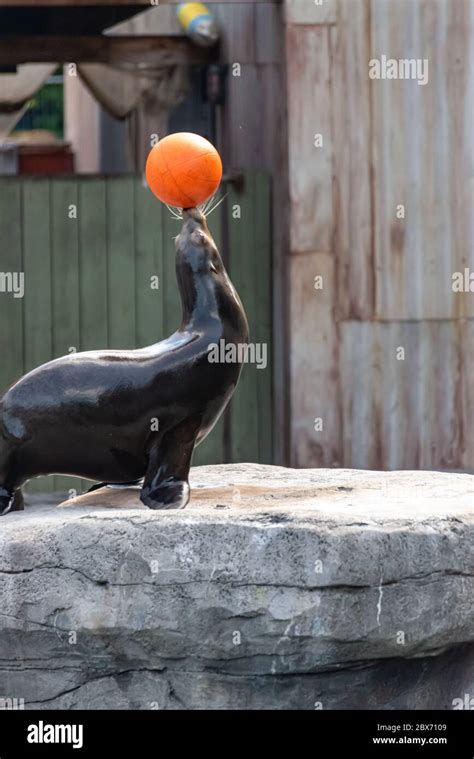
(166, 480)
(10, 501)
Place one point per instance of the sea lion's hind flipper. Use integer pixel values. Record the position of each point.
(166, 479)
(98, 485)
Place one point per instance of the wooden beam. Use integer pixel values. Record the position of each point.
(157, 50)
(69, 3)
(143, 3)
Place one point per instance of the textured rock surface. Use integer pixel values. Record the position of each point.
(275, 588)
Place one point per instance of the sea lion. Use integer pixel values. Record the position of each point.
(123, 415)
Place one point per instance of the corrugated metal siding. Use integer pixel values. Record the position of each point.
(401, 394)
(389, 142)
(314, 362)
(310, 167)
(423, 158)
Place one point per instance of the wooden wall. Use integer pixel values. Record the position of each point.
(387, 282)
(88, 286)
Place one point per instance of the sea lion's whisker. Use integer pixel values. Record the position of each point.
(174, 213)
(206, 205)
(216, 205)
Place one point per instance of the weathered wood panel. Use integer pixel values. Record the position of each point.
(350, 41)
(243, 138)
(237, 25)
(424, 155)
(244, 404)
(253, 135)
(310, 12)
(120, 262)
(401, 391)
(314, 404)
(467, 393)
(37, 305)
(65, 266)
(360, 377)
(11, 265)
(11, 312)
(93, 292)
(459, 75)
(149, 276)
(314, 363)
(38, 300)
(309, 114)
(268, 33)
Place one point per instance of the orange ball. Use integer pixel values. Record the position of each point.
(183, 169)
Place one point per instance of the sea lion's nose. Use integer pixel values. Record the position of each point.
(193, 214)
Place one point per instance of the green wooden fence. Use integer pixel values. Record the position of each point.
(88, 247)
